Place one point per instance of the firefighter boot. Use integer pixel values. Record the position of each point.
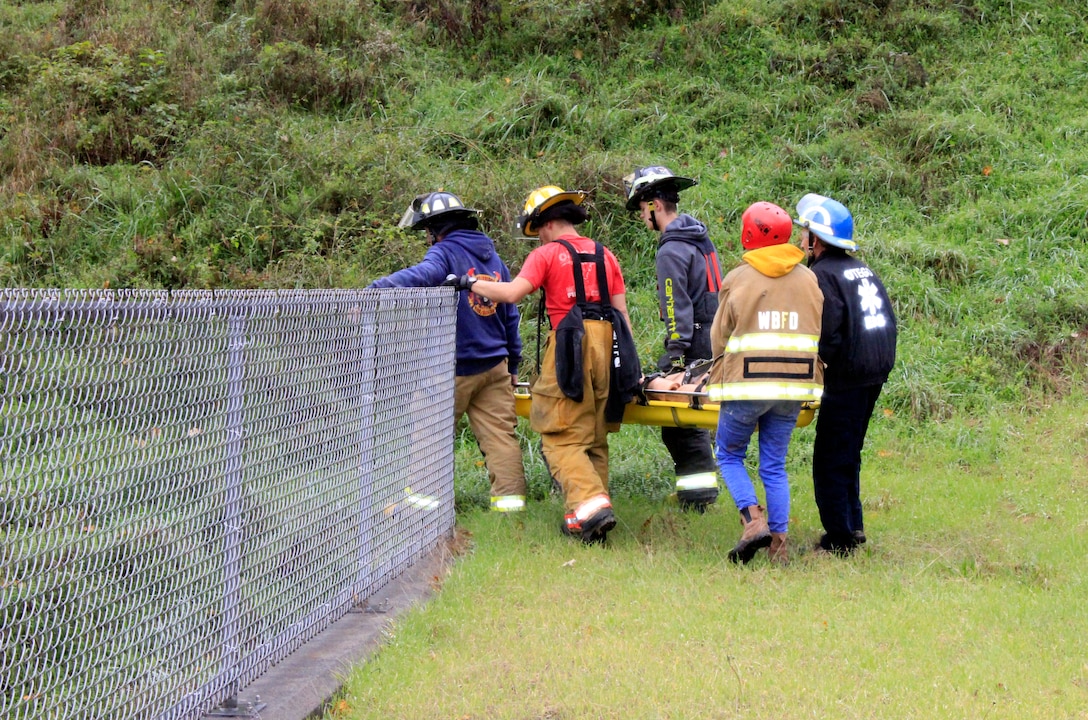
(777, 551)
(756, 535)
(696, 500)
(591, 521)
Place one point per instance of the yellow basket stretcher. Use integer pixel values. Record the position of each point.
(671, 408)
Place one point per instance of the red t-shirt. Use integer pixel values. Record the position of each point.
(550, 266)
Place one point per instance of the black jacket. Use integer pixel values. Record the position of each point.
(859, 331)
(688, 281)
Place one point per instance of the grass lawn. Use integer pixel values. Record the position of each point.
(969, 601)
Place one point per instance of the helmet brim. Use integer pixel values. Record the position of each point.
(413, 220)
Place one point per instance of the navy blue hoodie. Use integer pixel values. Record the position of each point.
(487, 332)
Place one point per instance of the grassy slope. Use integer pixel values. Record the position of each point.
(274, 143)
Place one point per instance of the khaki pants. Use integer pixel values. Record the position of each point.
(574, 435)
(488, 398)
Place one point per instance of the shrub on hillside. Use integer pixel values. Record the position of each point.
(495, 30)
(100, 106)
(13, 66)
(316, 23)
(315, 79)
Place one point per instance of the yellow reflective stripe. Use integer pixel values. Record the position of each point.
(764, 391)
(419, 500)
(773, 341)
(696, 481)
(507, 503)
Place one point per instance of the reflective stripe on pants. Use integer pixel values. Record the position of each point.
(699, 481)
(507, 503)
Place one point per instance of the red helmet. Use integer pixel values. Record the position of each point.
(764, 224)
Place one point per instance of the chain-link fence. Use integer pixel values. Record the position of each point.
(195, 483)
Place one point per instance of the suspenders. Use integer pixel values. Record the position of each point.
(579, 283)
(579, 287)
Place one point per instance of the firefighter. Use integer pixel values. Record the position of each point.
(857, 344)
(590, 365)
(765, 340)
(488, 344)
(688, 281)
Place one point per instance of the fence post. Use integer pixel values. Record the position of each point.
(232, 518)
(368, 319)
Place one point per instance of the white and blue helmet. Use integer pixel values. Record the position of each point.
(828, 220)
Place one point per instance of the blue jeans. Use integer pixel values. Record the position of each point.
(775, 419)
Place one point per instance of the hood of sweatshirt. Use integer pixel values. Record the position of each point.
(774, 260)
(474, 242)
(687, 229)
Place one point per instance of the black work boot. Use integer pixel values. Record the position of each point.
(593, 529)
(841, 547)
(697, 500)
(596, 529)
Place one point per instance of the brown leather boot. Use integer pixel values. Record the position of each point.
(756, 535)
(778, 552)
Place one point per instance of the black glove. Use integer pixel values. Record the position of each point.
(465, 282)
(640, 391)
(669, 365)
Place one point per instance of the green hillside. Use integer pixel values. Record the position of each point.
(275, 143)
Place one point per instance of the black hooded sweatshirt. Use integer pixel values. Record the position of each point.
(688, 280)
(857, 341)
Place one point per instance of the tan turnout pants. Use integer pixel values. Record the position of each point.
(488, 398)
(574, 435)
